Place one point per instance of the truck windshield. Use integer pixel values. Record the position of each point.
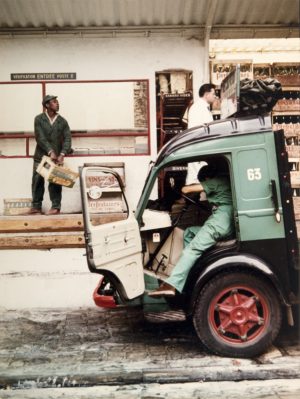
(140, 202)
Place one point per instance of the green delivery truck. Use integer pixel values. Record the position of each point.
(239, 290)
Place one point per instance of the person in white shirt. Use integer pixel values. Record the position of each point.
(198, 114)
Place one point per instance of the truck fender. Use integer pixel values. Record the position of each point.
(233, 263)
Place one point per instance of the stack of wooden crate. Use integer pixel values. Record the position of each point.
(286, 116)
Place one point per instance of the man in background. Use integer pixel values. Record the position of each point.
(198, 114)
(53, 138)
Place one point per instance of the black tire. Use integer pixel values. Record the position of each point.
(237, 315)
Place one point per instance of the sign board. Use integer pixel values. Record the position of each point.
(104, 194)
(107, 205)
(230, 93)
(222, 68)
(44, 76)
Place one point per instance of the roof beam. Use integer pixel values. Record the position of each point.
(254, 31)
(189, 31)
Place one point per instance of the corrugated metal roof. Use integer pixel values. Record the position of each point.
(251, 16)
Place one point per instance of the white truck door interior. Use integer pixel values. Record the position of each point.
(111, 230)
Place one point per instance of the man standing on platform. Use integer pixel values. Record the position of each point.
(53, 138)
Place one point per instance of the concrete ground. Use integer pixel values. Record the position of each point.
(94, 353)
(272, 389)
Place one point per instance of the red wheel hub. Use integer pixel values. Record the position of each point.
(238, 314)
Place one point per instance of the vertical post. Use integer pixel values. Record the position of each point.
(43, 90)
(208, 26)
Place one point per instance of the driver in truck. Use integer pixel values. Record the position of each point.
(197, 239)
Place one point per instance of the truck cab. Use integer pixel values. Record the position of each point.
(237, 290)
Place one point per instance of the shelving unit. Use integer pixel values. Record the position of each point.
(174, 96)
(286, 116)
(172, 109)
(106, 142)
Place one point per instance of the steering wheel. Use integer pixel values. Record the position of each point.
(189, 199)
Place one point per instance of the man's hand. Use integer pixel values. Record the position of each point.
(53, 156)
(60, 159)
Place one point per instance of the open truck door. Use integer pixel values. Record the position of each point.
(112, 233)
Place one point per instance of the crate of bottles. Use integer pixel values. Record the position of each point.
(296, 201)
(56, 174)
(288, 74)
(16, 206)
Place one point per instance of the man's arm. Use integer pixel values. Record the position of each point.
(67, 141)
(193, 188)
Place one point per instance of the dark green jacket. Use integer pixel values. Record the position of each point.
(49, 137)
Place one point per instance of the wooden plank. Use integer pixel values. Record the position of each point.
(298, 228)
(32, 223)
(42, 241)
(57, 223)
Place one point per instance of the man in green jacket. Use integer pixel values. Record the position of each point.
(53, 138)
(198, 239)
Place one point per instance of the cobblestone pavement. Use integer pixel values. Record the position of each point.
(271, 389)
(93, 353)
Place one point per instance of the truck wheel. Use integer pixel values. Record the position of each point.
(237, 315)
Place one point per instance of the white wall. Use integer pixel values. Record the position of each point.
(45, 278)
(60, 277)
(101, 59)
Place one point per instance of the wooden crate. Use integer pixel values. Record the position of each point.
(288, 73)
(56, 174)
(261, 71)
(219, 69)
(287, 105)
(293, 151)
(17, 206)
(295, 179)
(296, 202)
